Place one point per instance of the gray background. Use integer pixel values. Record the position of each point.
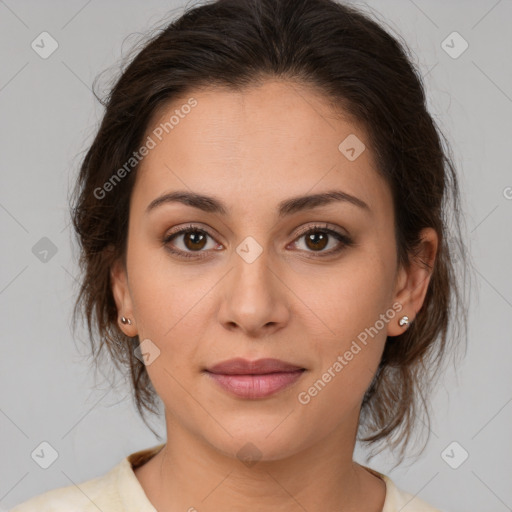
(48, 116)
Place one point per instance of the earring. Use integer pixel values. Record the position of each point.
(126, 321)
(403, 321)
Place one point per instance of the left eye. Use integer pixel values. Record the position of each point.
(316, 239)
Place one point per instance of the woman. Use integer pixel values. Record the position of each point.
(264, 248)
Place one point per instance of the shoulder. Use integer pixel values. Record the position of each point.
(398, 500)
(405, 502)
(115, 491)
(91, 495)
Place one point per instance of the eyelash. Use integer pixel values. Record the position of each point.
(344, 239)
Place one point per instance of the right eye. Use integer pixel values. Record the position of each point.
(193, 240)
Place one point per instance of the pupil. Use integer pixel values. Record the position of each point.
(313, 237)
(196, 238)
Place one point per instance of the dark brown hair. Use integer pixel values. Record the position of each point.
(359, 67)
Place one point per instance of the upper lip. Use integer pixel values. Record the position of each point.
(240, 366)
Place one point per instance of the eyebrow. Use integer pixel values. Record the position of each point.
(285, 208)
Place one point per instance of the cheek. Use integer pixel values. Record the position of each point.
(344, 300)
(354, 309)
(172, 306)
(162, 294)
(169, 314)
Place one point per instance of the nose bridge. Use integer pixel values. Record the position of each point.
(252, 275)
(254, 298)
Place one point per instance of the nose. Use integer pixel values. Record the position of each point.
(254, 298)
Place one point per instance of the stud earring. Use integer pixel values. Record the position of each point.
(126, 321)
(403, 321)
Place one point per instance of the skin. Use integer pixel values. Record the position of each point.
(252, 149)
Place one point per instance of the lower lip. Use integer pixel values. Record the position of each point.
(256, 386)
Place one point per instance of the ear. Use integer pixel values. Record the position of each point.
(411, 283)
(122, 297)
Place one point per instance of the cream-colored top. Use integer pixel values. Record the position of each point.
(119, 490)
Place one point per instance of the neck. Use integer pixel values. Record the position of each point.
(190, 475)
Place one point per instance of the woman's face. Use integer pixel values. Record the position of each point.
(249, 282)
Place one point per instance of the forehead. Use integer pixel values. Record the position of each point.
(256, 146)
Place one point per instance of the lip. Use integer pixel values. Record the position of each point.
(240, 366)
(254, 379)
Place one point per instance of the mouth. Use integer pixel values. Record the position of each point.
(254, 379)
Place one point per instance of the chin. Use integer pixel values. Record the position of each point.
(258, 440)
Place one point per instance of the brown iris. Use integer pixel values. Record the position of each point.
(317, 240)
(194, 240)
